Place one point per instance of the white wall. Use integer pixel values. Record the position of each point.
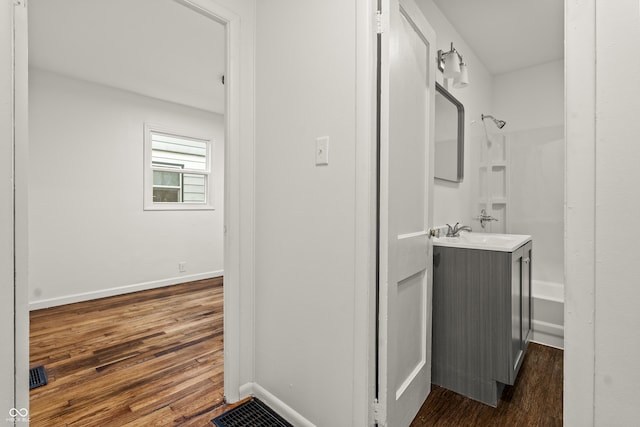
(536, 197)
(305, 215)
(530, 98)
(617, 349)
(531, 101)
(89, 235)
(603, 103)
(455, 202)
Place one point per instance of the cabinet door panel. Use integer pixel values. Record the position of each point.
(526, 296)
(516, 310)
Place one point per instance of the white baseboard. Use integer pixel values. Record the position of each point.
(87, 296)
(548, 334)
(245, 391)
(281, 408)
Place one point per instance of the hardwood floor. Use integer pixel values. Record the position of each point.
(534, 400)
(148, 358)
(155, 358)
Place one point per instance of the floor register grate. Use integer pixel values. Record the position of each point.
(253, 413)
(37, 377)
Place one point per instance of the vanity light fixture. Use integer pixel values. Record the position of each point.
(462, 79)
(453, 67)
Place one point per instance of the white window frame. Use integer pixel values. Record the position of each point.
(156, 166)
(149, 204)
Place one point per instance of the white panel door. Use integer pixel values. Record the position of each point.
(406, 183)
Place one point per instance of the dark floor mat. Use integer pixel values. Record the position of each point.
(253, 413)
(37, 377)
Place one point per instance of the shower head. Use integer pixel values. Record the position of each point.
(499, 123)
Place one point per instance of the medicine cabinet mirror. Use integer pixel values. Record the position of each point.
(449, 136)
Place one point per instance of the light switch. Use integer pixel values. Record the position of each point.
(322, 151)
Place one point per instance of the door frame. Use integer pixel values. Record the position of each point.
(231, 21)
(239, 225)
(365, 201)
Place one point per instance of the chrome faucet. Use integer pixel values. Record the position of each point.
(456, 229)
(483, 217)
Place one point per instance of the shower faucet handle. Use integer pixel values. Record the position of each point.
(483, 217)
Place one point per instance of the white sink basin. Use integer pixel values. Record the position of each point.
(484, 241)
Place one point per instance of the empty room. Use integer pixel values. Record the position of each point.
(127, 132)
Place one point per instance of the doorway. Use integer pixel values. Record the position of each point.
(105, 158)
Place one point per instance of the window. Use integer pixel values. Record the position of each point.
(177, 171)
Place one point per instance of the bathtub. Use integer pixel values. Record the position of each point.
(548, 313)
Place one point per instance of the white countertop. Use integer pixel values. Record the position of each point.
(484, 241)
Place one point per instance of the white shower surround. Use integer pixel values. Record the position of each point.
(536, 207)
(531, 100)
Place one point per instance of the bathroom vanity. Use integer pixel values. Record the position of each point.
(481, 312)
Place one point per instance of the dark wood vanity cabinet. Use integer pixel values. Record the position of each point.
(481, 319)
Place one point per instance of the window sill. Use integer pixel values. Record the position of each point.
(178, 207)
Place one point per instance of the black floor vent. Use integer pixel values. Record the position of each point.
(253, 413)
(37, 377)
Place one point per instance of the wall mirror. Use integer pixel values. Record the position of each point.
(449, 136)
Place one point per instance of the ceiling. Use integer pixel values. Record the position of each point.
(508, 35)
(157, 48)
(164, 50)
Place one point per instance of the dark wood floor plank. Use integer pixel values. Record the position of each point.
(150, 358)
(534, 400)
